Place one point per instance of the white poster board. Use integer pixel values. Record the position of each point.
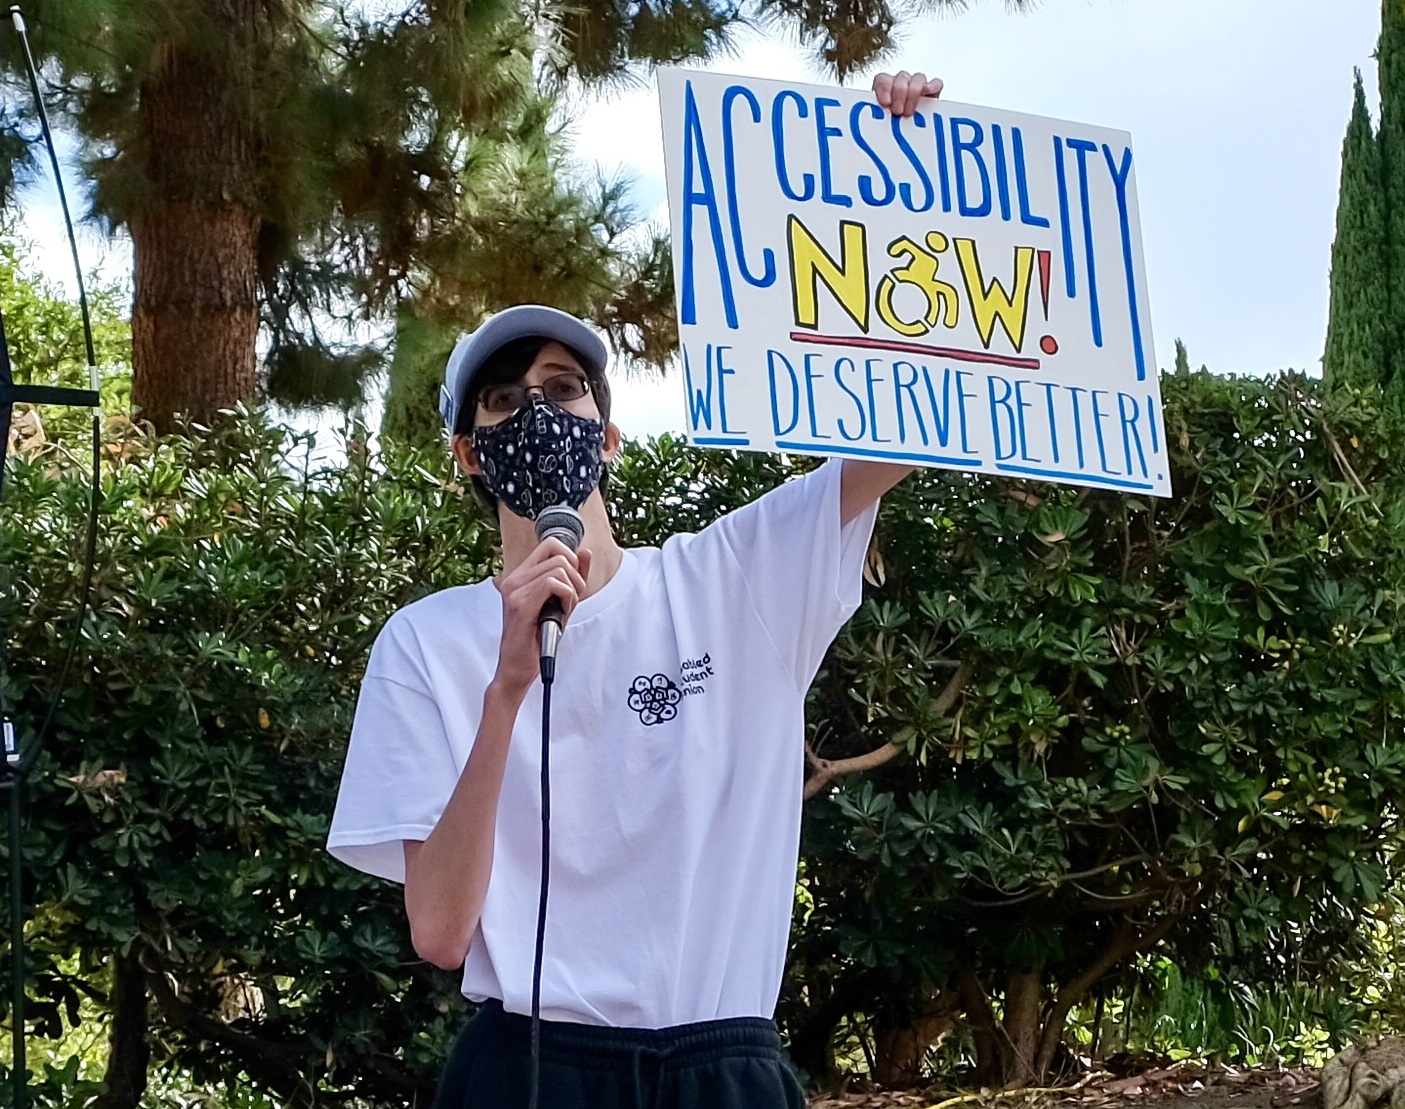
(963, 288)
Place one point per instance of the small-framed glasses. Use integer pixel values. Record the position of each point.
(560, 389)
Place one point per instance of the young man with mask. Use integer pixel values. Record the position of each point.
(677, 741)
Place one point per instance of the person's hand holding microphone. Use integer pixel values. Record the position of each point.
(552, 570)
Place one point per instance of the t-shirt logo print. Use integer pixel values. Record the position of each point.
(655, 699)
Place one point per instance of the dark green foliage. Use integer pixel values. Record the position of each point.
(1179, 730)
(1390, 58)
(181, 809)
(389, 157)
(1356, 353)
(422, 348)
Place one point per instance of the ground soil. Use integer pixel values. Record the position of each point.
(1182, 1086)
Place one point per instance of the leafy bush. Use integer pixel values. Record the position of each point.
(1120, 727)
(1178, 730)
(179, 813)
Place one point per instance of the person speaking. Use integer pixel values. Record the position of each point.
(669, 821)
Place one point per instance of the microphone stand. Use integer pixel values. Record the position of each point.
(17, 763)
(15, 771)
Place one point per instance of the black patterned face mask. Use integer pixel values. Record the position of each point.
(541, 456)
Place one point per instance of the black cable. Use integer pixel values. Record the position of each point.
(89, 349)
(17, 18)
(534, 1088)
(17, 761)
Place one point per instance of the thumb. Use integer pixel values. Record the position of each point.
(583, 562)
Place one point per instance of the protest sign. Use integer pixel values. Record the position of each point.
(963, 288)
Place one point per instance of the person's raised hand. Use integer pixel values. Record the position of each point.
(900, 92)
(551, 570)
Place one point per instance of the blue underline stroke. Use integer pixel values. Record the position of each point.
(1091, 479)
(865, 452)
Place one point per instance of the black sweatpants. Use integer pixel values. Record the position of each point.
(716, 1064)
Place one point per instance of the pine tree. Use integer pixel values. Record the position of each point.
(280, 161)
(1359, 318)
(1182, 358)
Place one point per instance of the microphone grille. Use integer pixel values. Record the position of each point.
(561, 522)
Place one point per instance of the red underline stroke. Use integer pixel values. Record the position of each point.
(917, 348)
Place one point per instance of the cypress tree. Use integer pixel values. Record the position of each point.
(1390, 58)
(1360, 323)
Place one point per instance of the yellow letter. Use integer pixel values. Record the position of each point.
(990, 302)
(846, 279)
(920, 271)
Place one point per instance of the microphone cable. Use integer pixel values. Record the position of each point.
(561, 522)
(533, 1090)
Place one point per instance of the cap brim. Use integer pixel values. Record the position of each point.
(521, 322)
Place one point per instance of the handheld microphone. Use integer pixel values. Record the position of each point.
(564, 523)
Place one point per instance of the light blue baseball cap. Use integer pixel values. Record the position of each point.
(501, 328)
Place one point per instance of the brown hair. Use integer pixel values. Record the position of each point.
(508, 364)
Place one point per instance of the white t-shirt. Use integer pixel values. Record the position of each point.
(677, 759)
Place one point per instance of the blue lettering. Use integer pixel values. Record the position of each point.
(961, 398)
(1098, 417)
(723, 373)
(699, 402)
(810, 377)
(865, 181)
(1021, 405)
(1078, 423)
(1120, 177)
(1084, 148)
(997, 403)
(905, 189)
(1065, 222)
(961, 148)
(939, 132)
(1129, 424)
(705, 197)
(827, 132)
(772, 357)
(839, 365)
(729, 165)
(899, 388)
(1022, 183)
(1002, 173)
(941, 412)
(868, 364)
(1049, 387)
(778, 141)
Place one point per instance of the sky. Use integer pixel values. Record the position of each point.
(1236, 108)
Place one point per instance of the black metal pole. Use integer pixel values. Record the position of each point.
(12, 785)
(15, 770)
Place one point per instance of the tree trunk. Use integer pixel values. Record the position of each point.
(812, 1036)
(976, 1002)
(900, 1047)
(195, 233)
(1023, 999)
(130, 1045)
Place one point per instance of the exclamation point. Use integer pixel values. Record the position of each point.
(1048, 344)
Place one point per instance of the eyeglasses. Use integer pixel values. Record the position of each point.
(506, 399)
